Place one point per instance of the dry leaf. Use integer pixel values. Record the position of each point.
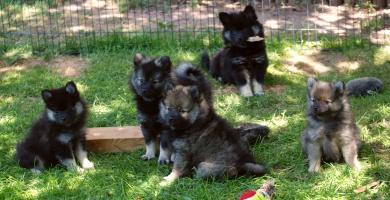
(364, 188)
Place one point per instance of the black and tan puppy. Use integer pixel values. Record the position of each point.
(202, 139)
(147, 82)
(58, 136)
(331, 134)
(243, 60)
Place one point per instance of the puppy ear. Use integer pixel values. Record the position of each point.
(310, 83)
(339, 87)
(165, 62)
(71, 88)
(168, 86)
(250, 13)
(225, 18)
(138, 59)
(46, 95)
(194, 91)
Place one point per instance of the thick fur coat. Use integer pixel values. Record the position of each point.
(58, 136)
(202, 139)
(331, 134)
(147, 81)
(240, 62)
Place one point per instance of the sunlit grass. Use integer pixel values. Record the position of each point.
(104, 85)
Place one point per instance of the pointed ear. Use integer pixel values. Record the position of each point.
(225, 18)
(250, 13)
(46, 95)
(165, 62)
(168, 86)
(71, 88)
(194, 91)
(339, 87)
(310, 83)
(138, 59)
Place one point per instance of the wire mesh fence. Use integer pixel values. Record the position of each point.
(77, 26)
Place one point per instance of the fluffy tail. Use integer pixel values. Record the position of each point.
(254, 169)
(186, 74)
(205, 60)
(252, 133)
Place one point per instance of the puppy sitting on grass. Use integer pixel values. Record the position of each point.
(202, 140)
(331, 134)
(58, 136)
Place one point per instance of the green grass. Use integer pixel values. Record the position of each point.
(126, 176)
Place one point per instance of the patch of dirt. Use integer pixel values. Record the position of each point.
(65, 66)
(312, 63)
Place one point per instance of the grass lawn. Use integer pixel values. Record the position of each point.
(102, 80)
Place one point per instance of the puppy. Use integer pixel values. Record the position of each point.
(243, 60)
(202, 139)
(58, 136)
(363, 86)
(147, 82)
(331, 134)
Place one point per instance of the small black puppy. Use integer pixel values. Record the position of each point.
(243, 60)
(58, 137)
(147, 82)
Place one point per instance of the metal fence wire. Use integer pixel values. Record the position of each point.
(82, 25)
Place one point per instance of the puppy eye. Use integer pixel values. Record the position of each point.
(313, 100)
(327, 101)
(182, 111)
(141, 80)
(155, 81)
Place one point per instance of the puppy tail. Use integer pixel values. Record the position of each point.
(252, 133)
(205, 60)
(254, 169)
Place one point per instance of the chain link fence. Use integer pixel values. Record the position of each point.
(77, 26)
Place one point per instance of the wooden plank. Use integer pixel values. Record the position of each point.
(114, 139)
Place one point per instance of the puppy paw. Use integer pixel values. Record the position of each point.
(35, 171)
(88, 165)
(164, 161)
(147, 157)
(261, 93)
(171, 177)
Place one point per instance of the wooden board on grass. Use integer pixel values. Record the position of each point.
(114, 139)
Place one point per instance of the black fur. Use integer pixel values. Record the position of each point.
(201, 138)
(58, 136)
(147, 82)
(240, 62)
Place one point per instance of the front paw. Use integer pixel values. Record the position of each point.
(170, 177)
(164, 161)
(88, 165)
(148, 157)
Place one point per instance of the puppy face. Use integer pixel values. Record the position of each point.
(63, 105)
(150, 76)
(324, 98)
(238, 27)
(180, 108)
